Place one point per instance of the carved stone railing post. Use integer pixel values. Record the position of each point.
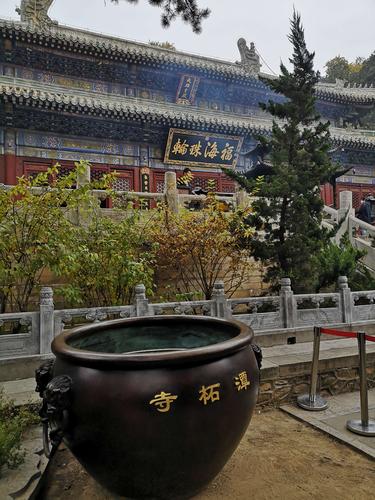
(141, 301)
(46, 309)
(171, 192)
(288, 308)
(84, 177)
(346, 204)
(85, 207)
(346, 303)
(221, 306)
(242, 199)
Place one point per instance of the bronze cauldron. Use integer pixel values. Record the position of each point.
(151, 407)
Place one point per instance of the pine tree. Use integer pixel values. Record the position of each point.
(187, 10)
(289, 207)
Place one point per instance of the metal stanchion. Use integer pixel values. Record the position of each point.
(364, 427)
(313, 401)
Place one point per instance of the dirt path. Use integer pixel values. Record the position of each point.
(279, 458)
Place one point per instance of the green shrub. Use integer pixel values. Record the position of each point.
(107, 259)
(13, 423)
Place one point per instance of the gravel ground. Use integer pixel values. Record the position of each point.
(278, 458)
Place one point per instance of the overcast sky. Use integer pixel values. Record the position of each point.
(332, 27)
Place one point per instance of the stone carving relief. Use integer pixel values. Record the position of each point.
(36, 12)
(249, 58)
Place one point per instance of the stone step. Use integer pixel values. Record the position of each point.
(296, 359)
(286, 370)
(18, 368)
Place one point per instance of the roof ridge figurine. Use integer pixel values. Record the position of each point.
(249, 58)
(36, 12)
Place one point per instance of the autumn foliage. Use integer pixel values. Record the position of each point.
(197, 248)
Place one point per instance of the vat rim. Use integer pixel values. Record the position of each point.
(62, 349)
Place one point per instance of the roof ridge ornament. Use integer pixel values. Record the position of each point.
(35, 12)
(250, 60)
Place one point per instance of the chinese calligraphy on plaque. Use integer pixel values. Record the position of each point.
(197, 148)
(187, 89)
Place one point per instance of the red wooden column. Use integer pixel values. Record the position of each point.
(10, 156)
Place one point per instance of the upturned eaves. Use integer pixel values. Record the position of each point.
(78, 41)
(52, 97)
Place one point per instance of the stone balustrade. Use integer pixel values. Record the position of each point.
(31, 333)
(171, 195)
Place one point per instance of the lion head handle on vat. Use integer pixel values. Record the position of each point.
(36, 12)
(258, 354)
(56, 393)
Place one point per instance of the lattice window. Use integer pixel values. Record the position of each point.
(97, 174)
(160, 186)
(203, 182)
(122, 184)
(227, 188)
(32, 171)
(356, 200)
(63, 171)
(31, 175)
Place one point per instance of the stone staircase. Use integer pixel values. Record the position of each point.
(360, 233)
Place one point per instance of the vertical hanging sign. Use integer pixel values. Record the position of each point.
(145, 186)
(187, 89)
(145, 182)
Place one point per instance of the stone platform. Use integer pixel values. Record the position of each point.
(285, 372)
(333, 420)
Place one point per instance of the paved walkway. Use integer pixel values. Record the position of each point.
(21, 483)
(332, 421)
(22, 392)
(302, 352)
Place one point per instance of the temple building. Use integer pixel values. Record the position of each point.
(68, 94)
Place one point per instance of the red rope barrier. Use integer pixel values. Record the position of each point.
(340, 333)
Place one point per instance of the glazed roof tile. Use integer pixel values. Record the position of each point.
(338, 91)
(77, 40)
(118, 49)
(47, 96)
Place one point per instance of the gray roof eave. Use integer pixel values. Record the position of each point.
(117, 49)
(53, 96)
